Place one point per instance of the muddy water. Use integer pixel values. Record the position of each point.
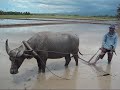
(21, 21)
(81, 77)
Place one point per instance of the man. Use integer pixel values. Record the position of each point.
(108, 45)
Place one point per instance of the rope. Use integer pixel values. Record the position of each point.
(57, 52)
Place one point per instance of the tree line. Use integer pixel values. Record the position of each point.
(13, 13)
(28, 13)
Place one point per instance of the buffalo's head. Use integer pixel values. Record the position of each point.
(16, 57)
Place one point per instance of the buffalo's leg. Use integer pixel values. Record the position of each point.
(43, 65)
(68, 59)
(39, 65)
(76, 58)
(43, 59)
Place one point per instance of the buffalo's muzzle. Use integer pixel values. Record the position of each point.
(13, 71)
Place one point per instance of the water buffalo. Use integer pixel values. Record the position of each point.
(47, 45)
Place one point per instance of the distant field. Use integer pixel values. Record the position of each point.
(118, 30)
(55, 17)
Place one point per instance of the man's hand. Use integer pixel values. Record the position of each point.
(112, 48)
(101, 48)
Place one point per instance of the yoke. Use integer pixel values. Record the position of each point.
(35, 55)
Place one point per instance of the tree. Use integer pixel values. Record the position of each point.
(1, 12)
(13, 13)
(118, 12)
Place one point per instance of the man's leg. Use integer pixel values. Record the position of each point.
(110, 55)
(100, 56)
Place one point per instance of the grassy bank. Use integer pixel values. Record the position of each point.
(56, 17)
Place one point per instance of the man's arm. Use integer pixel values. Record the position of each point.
(115, 41)
(115, 44)
(104, 40)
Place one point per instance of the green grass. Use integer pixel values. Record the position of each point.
(55, 17)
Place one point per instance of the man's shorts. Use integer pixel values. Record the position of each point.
(103, 52)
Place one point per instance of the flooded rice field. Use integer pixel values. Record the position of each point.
(8, 23)
(79, 77)
(24, 21)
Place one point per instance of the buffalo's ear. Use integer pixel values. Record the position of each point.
(27, 56)
(28, 52)
(20, 53)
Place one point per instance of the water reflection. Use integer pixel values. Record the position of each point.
(44, 81)
(23, 21)
(25, 76)
(90, 39)
(104, 76)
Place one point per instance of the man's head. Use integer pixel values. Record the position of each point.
(112, 29)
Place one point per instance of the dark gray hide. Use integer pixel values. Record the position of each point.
(59, 44)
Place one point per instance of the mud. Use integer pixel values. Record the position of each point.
(80, 77)
(55, 21)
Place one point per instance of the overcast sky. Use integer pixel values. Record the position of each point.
(83, 7)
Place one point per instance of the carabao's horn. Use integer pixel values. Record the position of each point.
(7, 47)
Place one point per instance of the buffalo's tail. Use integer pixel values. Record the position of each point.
(80, 53)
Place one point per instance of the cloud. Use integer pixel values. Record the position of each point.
(20, 5)
(63, 6)
(19, 1)
(86, 5)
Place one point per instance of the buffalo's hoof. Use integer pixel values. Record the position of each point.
(43, 71)
(109, 61)
(39, 70)
(66, 66)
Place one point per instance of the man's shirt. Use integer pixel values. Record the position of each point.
(109, 40)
